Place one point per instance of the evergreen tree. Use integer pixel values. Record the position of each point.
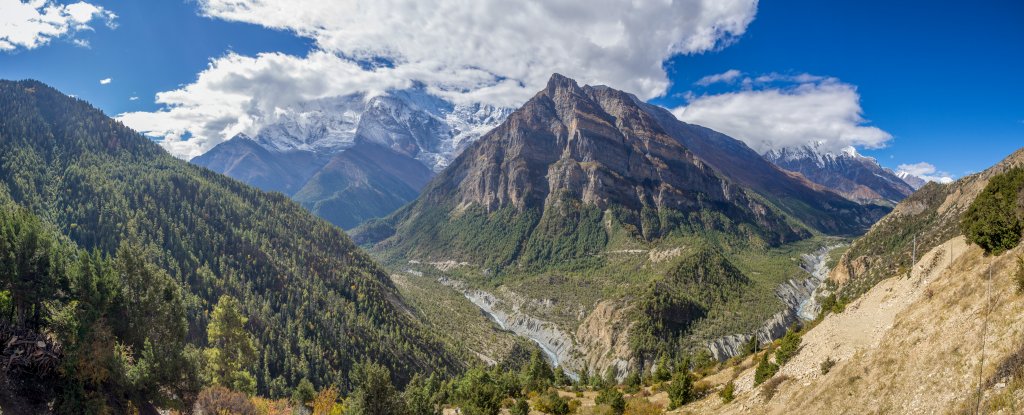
(537, 374)
(680, 392)
(423, 395)
(374, 393)
(232, 350)
(765, 369)
(662, 372)
(477, 394)
(788, 347)
(613, 398)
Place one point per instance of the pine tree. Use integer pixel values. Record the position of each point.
(232, 350)
(765, 370)
(374, 393)
(680, 392)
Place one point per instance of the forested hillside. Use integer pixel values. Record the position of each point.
(315, 304)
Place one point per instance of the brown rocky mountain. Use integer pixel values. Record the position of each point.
(571, 150)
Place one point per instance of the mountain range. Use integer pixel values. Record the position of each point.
(594, 203)
(621, 242)
(400, 139)
(852, 175)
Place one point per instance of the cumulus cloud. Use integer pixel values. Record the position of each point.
(775, 111)
(31, 24)
(925, 171)
(487, 51)
(727, 76)
(105, 81)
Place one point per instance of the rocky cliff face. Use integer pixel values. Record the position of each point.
(573, 152)
(856, 177)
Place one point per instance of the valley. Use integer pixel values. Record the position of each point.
(495, 208)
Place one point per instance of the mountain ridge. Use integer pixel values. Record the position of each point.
(856, 177)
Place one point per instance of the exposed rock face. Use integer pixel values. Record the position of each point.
(596, 145)
(557, 346)
(856, 177)
(603, 338)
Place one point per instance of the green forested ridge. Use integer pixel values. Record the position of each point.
(114, 325)
(315, 303)
(994, 219)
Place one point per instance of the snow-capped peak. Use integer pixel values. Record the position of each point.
(410, 121)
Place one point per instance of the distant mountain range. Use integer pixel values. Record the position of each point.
(852, 175)
(400, 140)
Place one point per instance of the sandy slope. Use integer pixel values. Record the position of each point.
(912, 344)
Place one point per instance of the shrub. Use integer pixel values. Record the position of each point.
(521, 407)
(788, 347)
(772, 386)
(218, 400)
(727, 393)
(680, 392)
(993, 219)
(1019, 277)
(613, 398)
(765, 370)
(640, 406)
(827, 365)
(551, 403)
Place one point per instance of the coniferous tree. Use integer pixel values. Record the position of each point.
(231, 350)
(374, 393)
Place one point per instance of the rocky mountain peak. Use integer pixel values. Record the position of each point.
(856, 177)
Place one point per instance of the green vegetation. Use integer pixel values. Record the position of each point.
(160, 242)
(671, 305)
(993, 221)
(375, 395)
(680, 391)
(1019, 275)
(789, 345)
(118, 323)
(613, 399)
(827, 365)
(765, 369)
(550, 403)
(728, 392)
(232, 349)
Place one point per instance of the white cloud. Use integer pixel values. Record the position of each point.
(925, 171)
(133, 98)
(775, 111)
(490, 51)
(105, 81)
(727, 77)
(34, 23)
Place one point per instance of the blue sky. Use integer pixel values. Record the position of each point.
(934, 81)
